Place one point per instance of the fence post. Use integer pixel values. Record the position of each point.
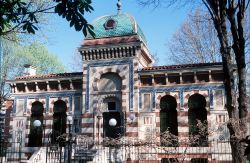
(19, 142)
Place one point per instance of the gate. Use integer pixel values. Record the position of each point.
(70, 148)
(10, 150)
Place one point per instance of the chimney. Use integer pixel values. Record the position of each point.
(29, 70)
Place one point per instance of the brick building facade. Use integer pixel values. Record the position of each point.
(118, 81)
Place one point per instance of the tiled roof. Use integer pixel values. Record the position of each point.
(170, 67)
(125, 26)
(50, 75)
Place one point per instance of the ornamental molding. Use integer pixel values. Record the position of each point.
(109, 63)
(154, 90)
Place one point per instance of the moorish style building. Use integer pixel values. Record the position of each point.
(119, 83)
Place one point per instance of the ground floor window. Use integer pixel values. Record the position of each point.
(197, 120)
(59, 120)
(36, 130)
(168, 121)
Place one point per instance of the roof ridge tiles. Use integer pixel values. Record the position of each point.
(49, 75)
(181, 66)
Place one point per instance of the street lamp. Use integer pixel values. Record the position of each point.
(37, 123)
(131, 117)
(69, 122)
(112, 122)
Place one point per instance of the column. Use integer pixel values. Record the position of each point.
(14, 87)
(26, 87)
(37, 88)
(210, 76)
(152, 79)
(59, 85)
(181, 81)
(195, 77)
(166, 76)
(47, 86)
(71, 84)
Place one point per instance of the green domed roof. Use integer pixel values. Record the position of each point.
(116, 25)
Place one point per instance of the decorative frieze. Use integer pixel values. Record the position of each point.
(46, 86)
(173, 78)
(108, 53)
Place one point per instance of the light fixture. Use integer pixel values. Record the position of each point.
(112, 122)
(132, 117)
(69, 119)
(37, 123)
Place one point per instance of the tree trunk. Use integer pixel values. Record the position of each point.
(239, 51)
(220, 10)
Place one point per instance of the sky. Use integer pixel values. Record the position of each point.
(158, 26)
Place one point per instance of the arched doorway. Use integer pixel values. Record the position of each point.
(168, 121)
(111, 83)
(113, 112)
(59, 120)
(197, 120)
(36, 132)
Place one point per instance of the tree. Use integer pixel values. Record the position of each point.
(76, 62)
(15, 56)
(18, 16)
(195, 41)
(38, 55)
(228, 18)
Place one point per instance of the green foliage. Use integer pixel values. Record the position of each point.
(22, 16)
(17, 14)
(73, 12)
(36, 54)
(15, 56)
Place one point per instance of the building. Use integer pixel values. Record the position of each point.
(119, 86)
(5, 112)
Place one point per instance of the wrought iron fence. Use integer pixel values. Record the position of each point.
(10, 150)
(83, 149)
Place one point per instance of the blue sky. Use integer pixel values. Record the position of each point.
(158, 25)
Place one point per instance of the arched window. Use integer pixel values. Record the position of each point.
(168, 121)
(59, 120)
(110, 82)
(36, 132)
(197, 119)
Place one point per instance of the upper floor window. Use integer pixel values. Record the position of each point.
(111, 106)
(110, 82)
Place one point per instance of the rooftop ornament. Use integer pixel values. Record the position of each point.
(112, 122)
(119, 4)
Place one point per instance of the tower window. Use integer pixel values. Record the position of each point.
(111, 106)
(110, 24)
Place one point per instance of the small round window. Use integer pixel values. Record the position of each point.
(110, 24)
